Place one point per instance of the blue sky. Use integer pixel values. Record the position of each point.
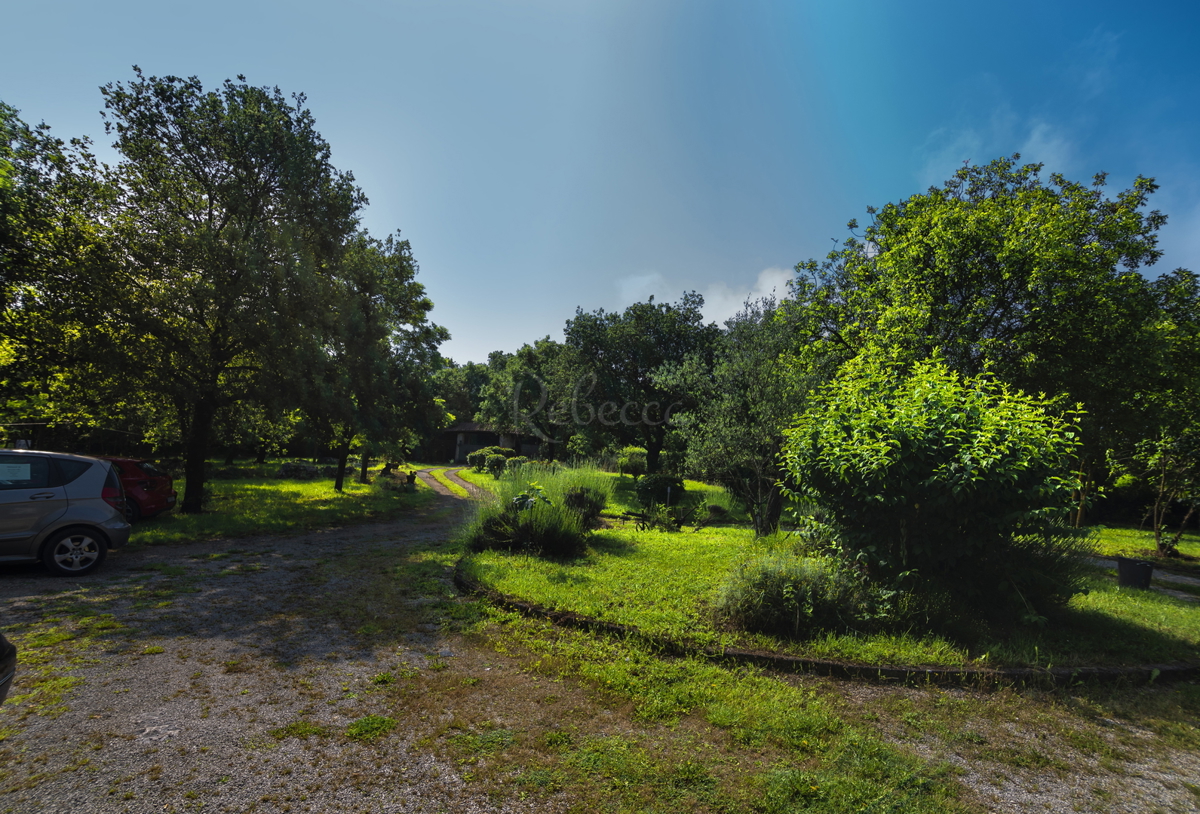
(546, 154)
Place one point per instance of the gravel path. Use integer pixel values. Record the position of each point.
(185, 709)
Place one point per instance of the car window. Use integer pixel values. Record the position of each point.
(72, 469)
(25, 472)
(152, 470)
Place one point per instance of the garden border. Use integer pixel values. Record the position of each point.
(977, 677)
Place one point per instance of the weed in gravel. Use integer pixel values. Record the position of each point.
(300, 729)
(370, 727)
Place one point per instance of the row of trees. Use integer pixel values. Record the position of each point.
(215, 283)
(1034, 283)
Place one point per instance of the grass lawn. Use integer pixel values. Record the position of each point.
(1129, 541)
(666, 583)
(240, 508)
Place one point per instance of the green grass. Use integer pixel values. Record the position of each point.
(440, 476)
(1128, 541)
(240, 508)
(481, 479)
(665, 585)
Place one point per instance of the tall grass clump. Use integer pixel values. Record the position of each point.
(545, 511)
(793, 596)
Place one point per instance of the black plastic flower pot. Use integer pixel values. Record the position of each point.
(1133, 573)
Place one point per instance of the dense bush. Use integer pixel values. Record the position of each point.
(659, 489)
(632, 461)
(495, 463)
(477, 460)
(789, 595)
(550, 517)
(932, 478)
(515, 463)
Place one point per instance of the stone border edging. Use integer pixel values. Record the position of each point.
(1057, 676)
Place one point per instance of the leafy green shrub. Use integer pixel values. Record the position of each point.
(587, 502)
(933, 478)
(659, 489)
(515, 462)
(789, 595)
(477, 460)
(547, 517)
(632, 461)
(495, 463)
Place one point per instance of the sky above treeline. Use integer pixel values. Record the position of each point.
(548, 155)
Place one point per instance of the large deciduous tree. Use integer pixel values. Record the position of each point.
(615, 357)
(371, 377)
(226, 227)
(1001, 271)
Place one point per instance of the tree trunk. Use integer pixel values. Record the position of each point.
(362, 471)
(654, 445)
(196, 452)
(261, 457)
(766, 518)
(343, 452)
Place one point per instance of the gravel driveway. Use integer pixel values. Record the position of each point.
(206, 655)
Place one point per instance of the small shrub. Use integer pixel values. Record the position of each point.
(793, 596)
(659, 489)
(515, 462)
(547, 518)
(477, 460)
(587, 502)
(632, 461)
(495, 464)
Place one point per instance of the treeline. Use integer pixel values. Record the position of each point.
(997, 276)
(213, 287)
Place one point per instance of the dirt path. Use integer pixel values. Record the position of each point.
(212, 651)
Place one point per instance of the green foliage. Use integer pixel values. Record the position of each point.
(478, 459)
(660, 489)
(792, 596)
(952, 481)
(632, 461)
(612, 360)
(516, 462)
(370, 728)
(495, 464)
(551, 517)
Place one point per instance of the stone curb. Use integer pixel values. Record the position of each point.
(966, 676)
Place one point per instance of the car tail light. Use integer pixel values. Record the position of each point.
(112, 493)
(113, 497)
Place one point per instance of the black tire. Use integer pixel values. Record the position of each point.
(133, 512)
(74, 552)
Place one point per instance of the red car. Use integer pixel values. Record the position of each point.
(148, 490)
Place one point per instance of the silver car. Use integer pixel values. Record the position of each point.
(65, 510)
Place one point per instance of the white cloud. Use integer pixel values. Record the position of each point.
(1047, 145)
(1037, 140)
(945, 151)
(721, 301)
(640, 287)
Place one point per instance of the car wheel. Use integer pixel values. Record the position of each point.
(74, 552)
(132, 512)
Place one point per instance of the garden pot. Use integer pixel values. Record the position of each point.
(1134, 573)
